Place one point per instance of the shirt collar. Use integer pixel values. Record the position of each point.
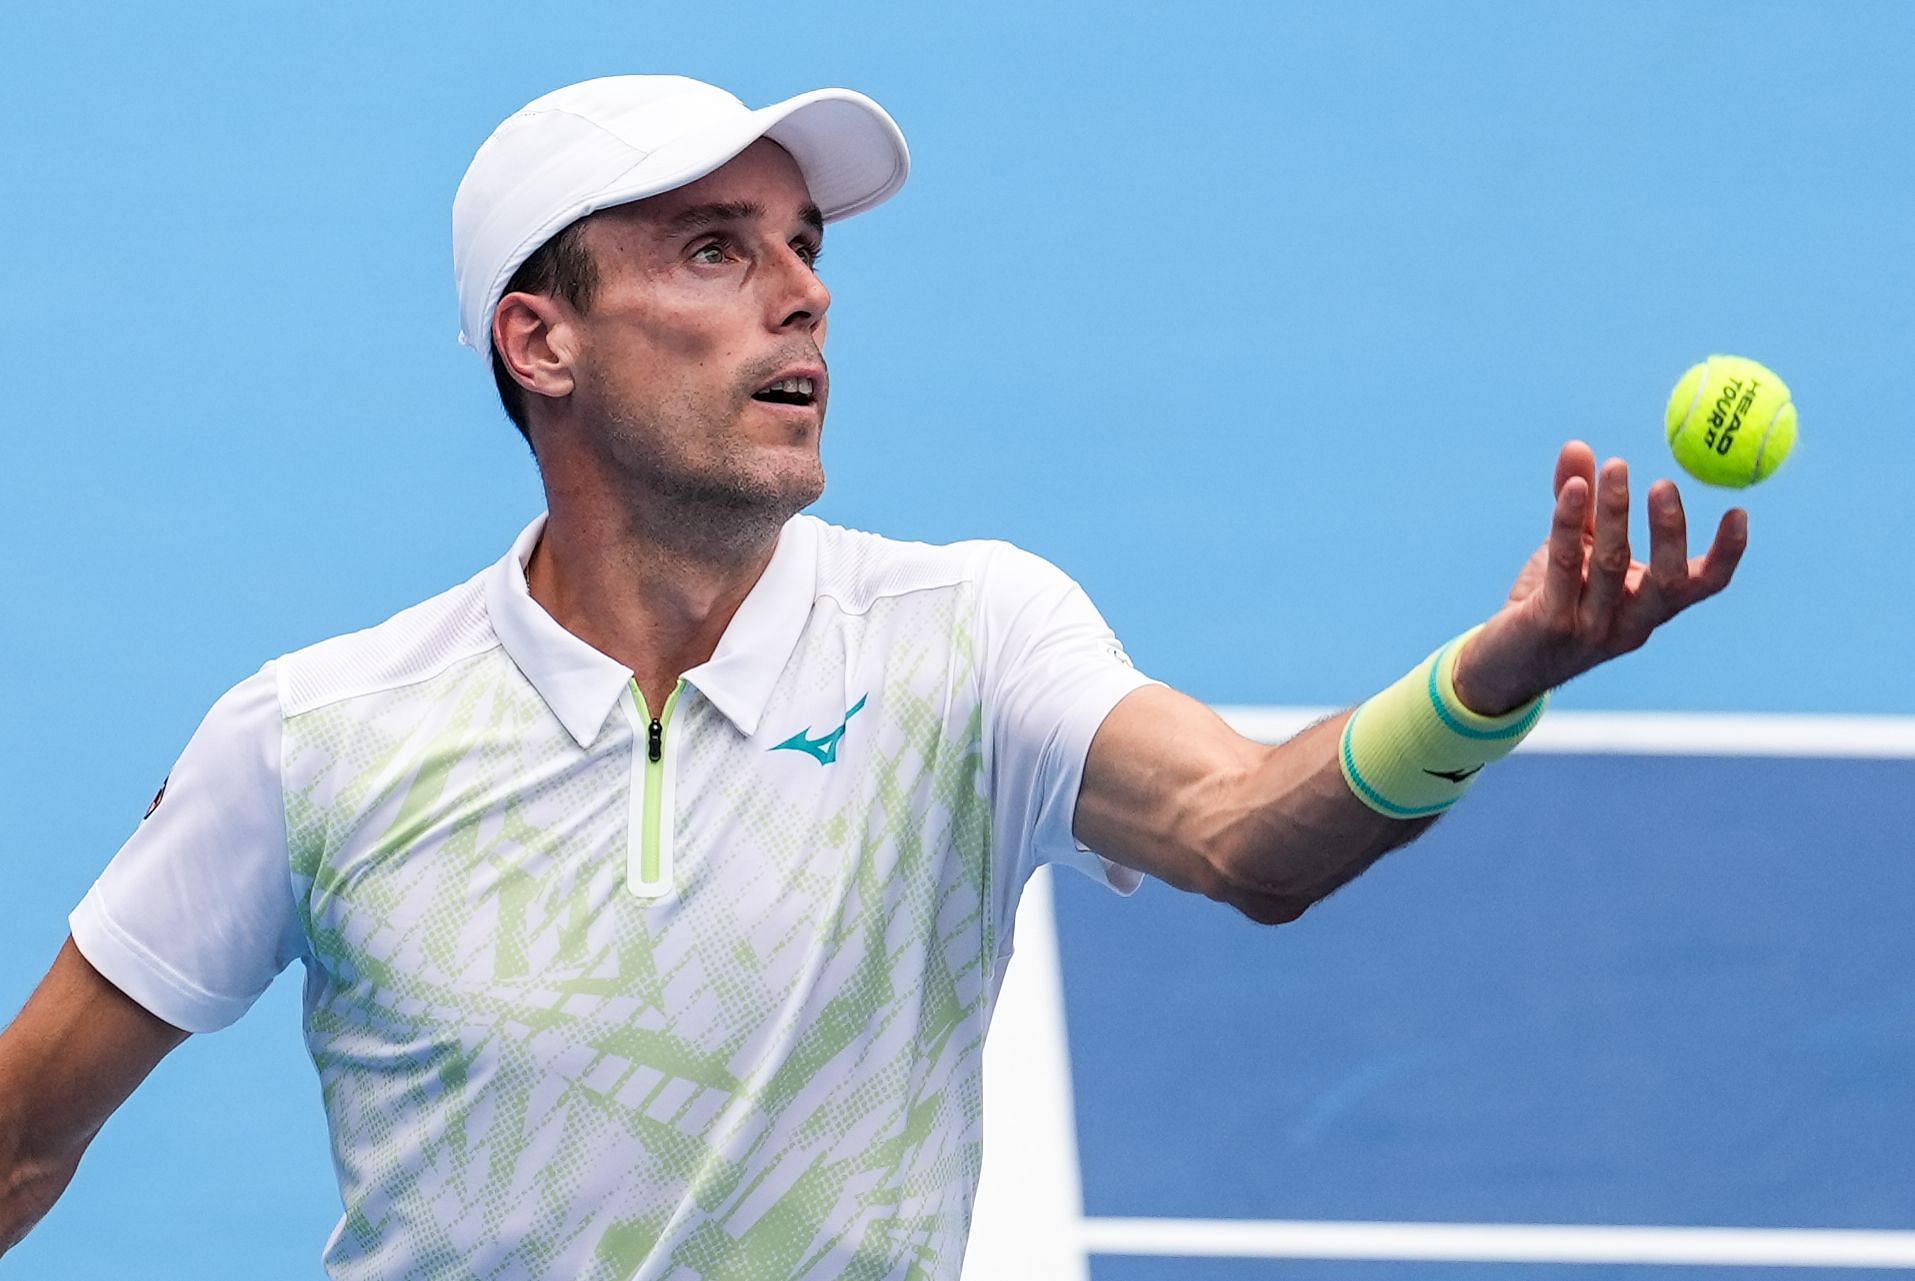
(759, 640)
(581, 684)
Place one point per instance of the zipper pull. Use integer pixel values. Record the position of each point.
(655, 741)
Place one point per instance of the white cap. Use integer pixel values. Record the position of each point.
(611, 141)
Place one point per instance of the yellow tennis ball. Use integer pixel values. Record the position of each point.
(1731, 421)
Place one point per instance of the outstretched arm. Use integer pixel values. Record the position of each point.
(75, 1053)
(1171, 790)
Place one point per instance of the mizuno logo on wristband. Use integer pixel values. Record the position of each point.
(1454, 775)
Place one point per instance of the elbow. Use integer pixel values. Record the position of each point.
(1226, 843)
(1272, 909)
(1232, 878)
(1264, 905)
(1238, 843)
(1207, 871)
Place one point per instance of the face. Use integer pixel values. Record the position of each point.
(699, 368)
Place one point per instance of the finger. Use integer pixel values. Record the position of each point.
(1665, 588)
(1668, 543)
(1562, 585)
(1717, 566)
(1577, 459)
(1609, 558)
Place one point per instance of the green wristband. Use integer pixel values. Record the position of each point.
(1414, 749)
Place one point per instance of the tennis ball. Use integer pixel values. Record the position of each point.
(1731, 421)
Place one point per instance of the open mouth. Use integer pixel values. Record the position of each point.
(788, 391)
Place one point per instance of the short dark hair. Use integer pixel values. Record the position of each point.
(562, 267)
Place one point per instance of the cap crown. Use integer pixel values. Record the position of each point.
(610, 141)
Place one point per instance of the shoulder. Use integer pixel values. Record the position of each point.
(857, 569)
(414, 645)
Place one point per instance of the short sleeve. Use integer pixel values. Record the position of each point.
(194, 916)
(1052, 670)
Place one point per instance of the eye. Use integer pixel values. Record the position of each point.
(809, 252)
(711, 253)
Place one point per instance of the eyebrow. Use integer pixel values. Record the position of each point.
(698, 217)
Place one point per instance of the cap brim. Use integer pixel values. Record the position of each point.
(851, 153)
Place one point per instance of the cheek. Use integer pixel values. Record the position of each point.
(670, 336)
(660, 319)
(660, 360)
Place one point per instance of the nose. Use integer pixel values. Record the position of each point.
(803, 298)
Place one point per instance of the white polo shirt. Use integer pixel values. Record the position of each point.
(597, 991)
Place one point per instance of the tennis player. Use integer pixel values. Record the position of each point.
(653, 887)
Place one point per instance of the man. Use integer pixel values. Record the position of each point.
(654, 886)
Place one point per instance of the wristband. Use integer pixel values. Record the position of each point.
(1414, 749)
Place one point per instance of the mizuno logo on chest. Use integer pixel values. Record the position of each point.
(824, 750)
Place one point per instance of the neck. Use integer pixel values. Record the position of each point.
(638, 588)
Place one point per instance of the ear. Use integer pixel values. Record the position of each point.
(533, 336)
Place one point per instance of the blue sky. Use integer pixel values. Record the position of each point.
(1262, 320)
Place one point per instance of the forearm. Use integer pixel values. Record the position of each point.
(1171, 790)
(1327, 804)
(1302, 832)
(31, 1176)
(74, 1054)
(29, 1183)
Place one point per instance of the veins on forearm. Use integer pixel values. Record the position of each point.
(30, 1183)
(1305, 835)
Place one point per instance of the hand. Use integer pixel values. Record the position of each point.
(1581, 600)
